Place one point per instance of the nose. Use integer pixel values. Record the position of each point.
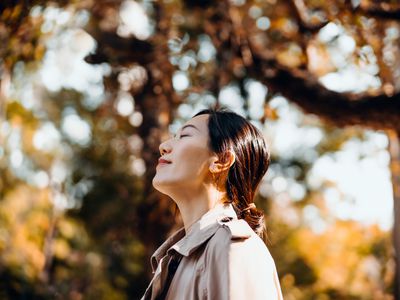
(165, 147)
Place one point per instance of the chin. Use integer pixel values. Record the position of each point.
(155, 183)
(159, 185)
(166, 186)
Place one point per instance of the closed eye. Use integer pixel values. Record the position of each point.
(184, 135)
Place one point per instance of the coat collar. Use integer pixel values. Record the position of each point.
(197, 234)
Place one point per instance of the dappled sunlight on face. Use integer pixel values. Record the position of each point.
(189, 155)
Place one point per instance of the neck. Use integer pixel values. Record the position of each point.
(194, 204)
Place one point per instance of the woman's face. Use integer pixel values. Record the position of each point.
(189, 158)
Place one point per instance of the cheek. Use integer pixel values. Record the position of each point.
(193, 155)
(191, 162)
(190, 165)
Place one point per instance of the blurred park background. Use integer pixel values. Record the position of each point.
(90, 88)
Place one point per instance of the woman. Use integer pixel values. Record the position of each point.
(211, 170)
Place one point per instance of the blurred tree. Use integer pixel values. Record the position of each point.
(190, 53)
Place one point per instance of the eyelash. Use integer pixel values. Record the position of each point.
(183, 135)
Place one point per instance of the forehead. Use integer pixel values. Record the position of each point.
(200, 122)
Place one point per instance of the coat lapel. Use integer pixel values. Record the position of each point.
(185, 244)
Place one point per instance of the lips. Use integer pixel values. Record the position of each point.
(163, 161)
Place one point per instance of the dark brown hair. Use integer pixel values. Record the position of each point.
(230, 131)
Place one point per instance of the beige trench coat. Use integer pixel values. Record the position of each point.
(221, 258)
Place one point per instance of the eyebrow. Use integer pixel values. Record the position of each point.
(189, 125)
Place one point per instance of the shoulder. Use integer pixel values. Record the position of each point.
(229, 231)
(239, 256)
(237, 239)
(237, 228)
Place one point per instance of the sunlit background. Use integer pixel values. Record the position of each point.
(75, 157)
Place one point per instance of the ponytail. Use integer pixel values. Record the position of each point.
(230, 131)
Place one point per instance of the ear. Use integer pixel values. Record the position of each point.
(218, 166)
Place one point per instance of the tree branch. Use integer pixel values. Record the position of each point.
(307, 21)
(117, 50)
(380, 9)
(300, 87)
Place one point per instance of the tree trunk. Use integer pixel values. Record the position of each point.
(394, 149)
(5, 79)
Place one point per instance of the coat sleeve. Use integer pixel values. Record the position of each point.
(241, 269)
